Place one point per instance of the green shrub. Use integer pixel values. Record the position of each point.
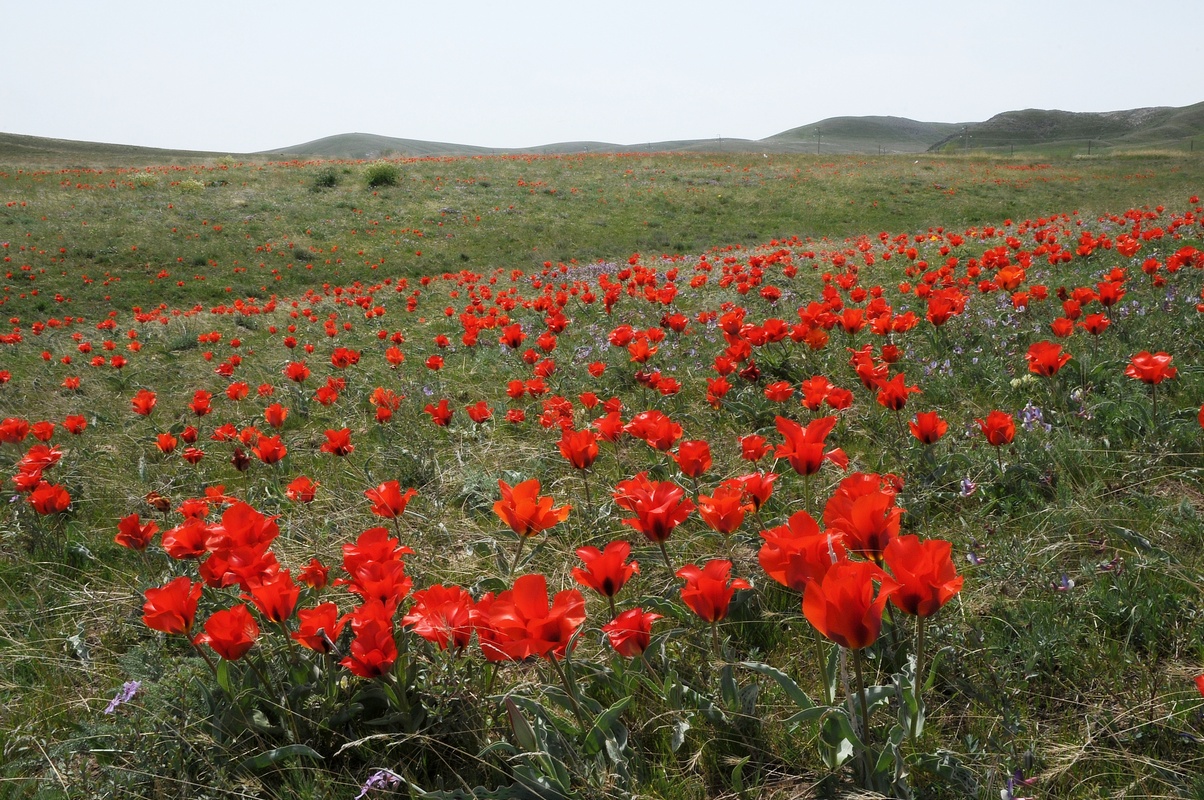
(382, 173)
(327, 178)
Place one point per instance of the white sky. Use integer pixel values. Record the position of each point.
(256, 75)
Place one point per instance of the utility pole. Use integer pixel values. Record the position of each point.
(819, 138)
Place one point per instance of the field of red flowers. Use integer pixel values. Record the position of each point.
(911, 512)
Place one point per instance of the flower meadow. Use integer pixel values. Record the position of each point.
(914, 513)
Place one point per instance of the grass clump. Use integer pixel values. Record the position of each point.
(382, 173)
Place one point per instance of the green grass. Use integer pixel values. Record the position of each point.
(1089, 689)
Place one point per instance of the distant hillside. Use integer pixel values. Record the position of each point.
(866, 135)
(1031, 132)
(1138, 128)
(17, 148)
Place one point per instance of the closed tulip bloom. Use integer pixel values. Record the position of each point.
(630, 633)
(708, 591)
(275, 415)
(925, 572)
(231, 632)
(844, 607)
(579, 448)
(693, 457)
(172, 608)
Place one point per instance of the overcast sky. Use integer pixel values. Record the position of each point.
(254, 75)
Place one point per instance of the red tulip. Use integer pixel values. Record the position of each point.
(521, 622)
(301, 489)
(630, 633)
(998, 427)
(799, 552)
(1046, 358)
(659, 506)
(525, 511)
(388, 500)
(693, 457)
(863, 509)
(319, 628)
(1151, 368)
(172, 608)
(231, 632)
(654, 428)
(373, 651)
(338, 442)
(134, 534)
(843, 606)
(441, 414)
(144, 402)
(579, 448)
(275, 415)
(804, 447)
(925, 572)
(606, 571)
(443, 615)
(928, 427)
(892, 394)
(479, 412)
(723, 511)
(708, 591)
(47, 498)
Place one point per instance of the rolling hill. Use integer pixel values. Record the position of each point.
(1159, 127)
(1030, 131)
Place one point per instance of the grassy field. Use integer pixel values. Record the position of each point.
(1063, 668)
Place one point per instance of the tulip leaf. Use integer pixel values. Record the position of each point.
(678, 737)
(524, 734)
(606, 721)
(223, 676)
(279, 755)
(792, 689)
(738, 775)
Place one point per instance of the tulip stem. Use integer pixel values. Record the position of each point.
(665, 555)
(568, 687)
(865, 712)
(823, 666)
(918, 687)
(589, 503)
(517, 555)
